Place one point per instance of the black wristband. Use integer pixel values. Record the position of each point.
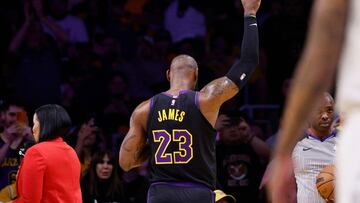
(240, 72)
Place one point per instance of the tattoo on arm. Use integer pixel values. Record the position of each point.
(134, 146)
(220, 90)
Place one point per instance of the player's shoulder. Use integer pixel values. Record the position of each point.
(142, 108)
(140, 114)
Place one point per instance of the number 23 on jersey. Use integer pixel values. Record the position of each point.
(182, 137)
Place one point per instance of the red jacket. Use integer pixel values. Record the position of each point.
(49, 173)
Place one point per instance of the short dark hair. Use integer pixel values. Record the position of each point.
(54, 121)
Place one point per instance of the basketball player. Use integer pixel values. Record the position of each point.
(313, 76)
(315, 151)
(177, 125)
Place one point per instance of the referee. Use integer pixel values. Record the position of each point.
(315, 151)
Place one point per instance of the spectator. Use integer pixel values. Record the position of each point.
(9, 193)
(239, 155)
(38, 65)
(183, 21)
(73, 26)
(16, 131)
(89, 140)
(102, 183)
(136, 184)
(143, 67)
(119, 100)
(3, 108)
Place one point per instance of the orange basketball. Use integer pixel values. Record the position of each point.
(325, 183)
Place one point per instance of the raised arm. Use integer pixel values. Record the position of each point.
(213, 95)
(134, 148)
(20, 36)
(60, 34)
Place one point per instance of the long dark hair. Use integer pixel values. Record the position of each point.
(54, 121)
(114, 190)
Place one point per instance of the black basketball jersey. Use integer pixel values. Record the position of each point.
(182, 141)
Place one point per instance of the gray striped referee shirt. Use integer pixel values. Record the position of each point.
(310, 156)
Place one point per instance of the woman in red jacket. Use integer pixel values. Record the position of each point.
(50, 171)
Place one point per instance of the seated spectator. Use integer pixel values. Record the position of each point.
(15, 133)
(239, 154)
(37, 63)
(136, 184)
(9, 192)
(102, 183)
(89, 140)
(73, 26)
(183, 21)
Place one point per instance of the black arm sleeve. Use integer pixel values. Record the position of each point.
(240, 72)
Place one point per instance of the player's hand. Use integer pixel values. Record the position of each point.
(27, 133)
(22, 131)
(250, 7)
(10, 133)
(282, 180)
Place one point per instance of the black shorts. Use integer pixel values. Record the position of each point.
(170, 192)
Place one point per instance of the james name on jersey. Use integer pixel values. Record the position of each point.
(171, 114)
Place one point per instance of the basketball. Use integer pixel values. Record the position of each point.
(325, 183)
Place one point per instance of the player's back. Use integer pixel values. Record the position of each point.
(182, 141)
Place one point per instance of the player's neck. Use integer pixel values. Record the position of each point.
(175, 89)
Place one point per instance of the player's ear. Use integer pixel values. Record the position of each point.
(168, 74)
(196, 78)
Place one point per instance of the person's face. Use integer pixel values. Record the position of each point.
(243, 128)
(90, 139)
(36, 128)
(235, 133)
(104, 169)
(323, 117)
(10, 115)
(117, 86)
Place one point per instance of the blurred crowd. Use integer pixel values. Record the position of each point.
(100, 58)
